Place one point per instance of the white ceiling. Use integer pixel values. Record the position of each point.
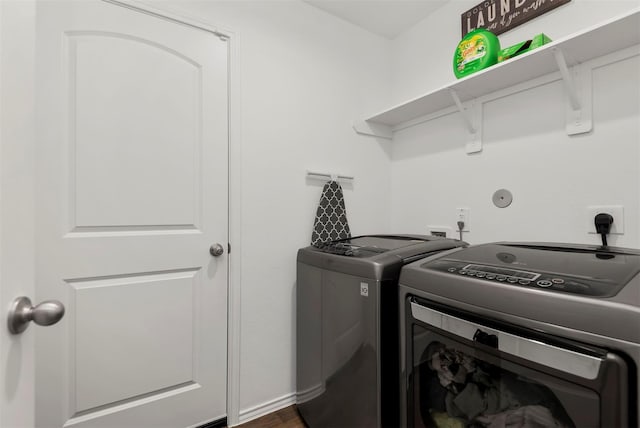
(387, 18)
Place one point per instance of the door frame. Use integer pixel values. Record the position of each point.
(16, 158)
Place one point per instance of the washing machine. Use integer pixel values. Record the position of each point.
(521, 334)
(347, 328)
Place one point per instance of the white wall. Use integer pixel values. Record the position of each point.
(303, 77)
(553, 177)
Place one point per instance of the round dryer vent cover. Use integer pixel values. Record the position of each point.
(502, 198)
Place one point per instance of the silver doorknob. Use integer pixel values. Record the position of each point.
(46, 313)
(216, 250)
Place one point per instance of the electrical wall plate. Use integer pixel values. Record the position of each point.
(462, 214)
(444, 231)
(616, 211)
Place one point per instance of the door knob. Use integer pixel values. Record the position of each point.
(46, 313)
(216, 250)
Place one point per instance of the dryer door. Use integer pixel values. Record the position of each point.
(465, 373)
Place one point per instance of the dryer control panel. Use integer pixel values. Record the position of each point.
(526, 278)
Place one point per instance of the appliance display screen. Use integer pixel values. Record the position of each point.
(501, 271)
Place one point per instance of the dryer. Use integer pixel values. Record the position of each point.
(522, 334)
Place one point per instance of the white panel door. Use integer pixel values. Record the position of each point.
(131, 162)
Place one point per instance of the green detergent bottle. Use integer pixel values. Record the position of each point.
(477, 50)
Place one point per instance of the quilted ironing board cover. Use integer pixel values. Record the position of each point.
(331, 217)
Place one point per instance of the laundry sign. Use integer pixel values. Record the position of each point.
(499, 16)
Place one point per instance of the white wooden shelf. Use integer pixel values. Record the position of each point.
(613, 35)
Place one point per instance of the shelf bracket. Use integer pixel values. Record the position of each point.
(472, 118)
(568, 79)
(373, 129)
(463, 113)
(577, 83)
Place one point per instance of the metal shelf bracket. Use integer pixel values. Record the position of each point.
(472, 118)
(577, 83)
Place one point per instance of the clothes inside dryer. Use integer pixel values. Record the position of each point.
(458, 387)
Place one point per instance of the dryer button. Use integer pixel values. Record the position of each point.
(544, 283)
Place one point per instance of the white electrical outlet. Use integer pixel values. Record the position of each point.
(462, 214)
(616, 211)
(444, 231)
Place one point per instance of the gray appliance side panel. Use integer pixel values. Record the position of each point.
(350, 319)
(351, 349)
(338, 348)
(309, 380)
(404, 384)
(369, 267)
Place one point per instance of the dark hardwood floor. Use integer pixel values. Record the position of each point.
(283, 418)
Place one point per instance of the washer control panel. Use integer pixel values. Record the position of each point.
(517, 277)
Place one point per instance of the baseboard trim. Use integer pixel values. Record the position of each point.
(255, 412)
(220, 423)
(310, 393)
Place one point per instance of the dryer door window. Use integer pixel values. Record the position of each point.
(456, 382)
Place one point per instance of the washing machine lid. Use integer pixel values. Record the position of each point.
(372, 245)
(377, 257)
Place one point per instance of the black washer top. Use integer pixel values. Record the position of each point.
(377, 257)
(372, 245)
